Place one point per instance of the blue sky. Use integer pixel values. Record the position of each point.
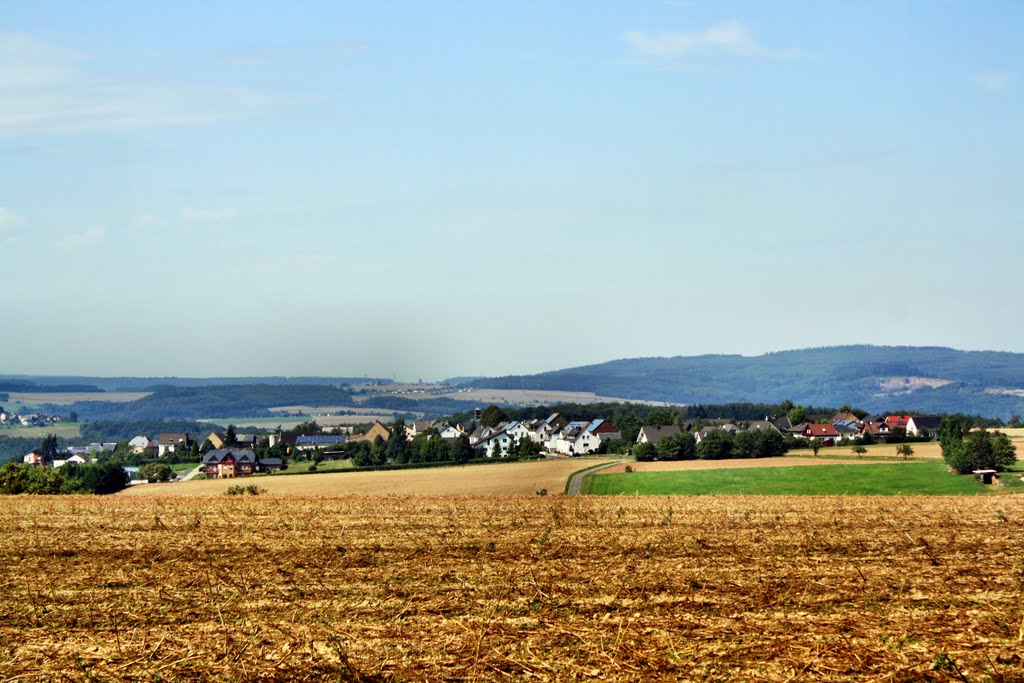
(419, 190)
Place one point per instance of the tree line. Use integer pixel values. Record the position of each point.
(99, 478)
(965, 450)
(717, 445)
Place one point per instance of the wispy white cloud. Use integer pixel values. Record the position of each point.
(994, 81)
(25, 61)
(81, 240)
(45, 88)
(731, 38)
(9, 219)
(192, 215)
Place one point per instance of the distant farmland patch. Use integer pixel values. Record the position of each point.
(65, 430)
(537, 397)
(67, 398)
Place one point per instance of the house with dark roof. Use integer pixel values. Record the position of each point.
(652, 434)
(269, 465)
(761, 425)
(225, 463)
(924, 425)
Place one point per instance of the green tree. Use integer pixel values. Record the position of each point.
(378, 451)
(770, 444)
(660, 417)
(492, 416)
(154, 472)
(904, 450)
(717, 445)
(528, 448)
(859, 450)
(398, 445)
(797, 415)
(645, 452)
(49, 448)
(230, 437)
(13, 478)
(990, 450)
(681, 446)
(43, 480)
(461, 451)
(306, 428)
(744, 445)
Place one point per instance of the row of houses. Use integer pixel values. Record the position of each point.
(828, 432)
(555, 434)
(9, 417)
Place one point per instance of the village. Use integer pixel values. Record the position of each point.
(227, 454)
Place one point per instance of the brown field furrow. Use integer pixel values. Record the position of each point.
(553, 589)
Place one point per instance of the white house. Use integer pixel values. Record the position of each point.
(564, 440)
(170, 442)
(139, 444)
(518, 431)
(74, 458)
(589, 440)
(497, 444)
(451, 432)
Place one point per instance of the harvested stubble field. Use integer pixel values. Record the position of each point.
(503, 478)
(554, 589)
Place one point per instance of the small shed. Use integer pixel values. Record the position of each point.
(985, 476)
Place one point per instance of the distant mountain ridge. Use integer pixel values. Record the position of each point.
(875, 378)
(61, 383)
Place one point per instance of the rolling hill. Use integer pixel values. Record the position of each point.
(875, 378)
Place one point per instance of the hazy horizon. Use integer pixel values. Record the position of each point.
(425, 191)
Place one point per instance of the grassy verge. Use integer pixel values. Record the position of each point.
(906, 478)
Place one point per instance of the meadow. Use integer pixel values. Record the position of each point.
(414, 588)
(877, 478)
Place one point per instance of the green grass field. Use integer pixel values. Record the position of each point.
(905, 478)
(66, 430)
(325, 466)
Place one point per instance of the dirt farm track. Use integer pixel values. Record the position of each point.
(414, 588)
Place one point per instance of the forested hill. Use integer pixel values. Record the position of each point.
(875, 378)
